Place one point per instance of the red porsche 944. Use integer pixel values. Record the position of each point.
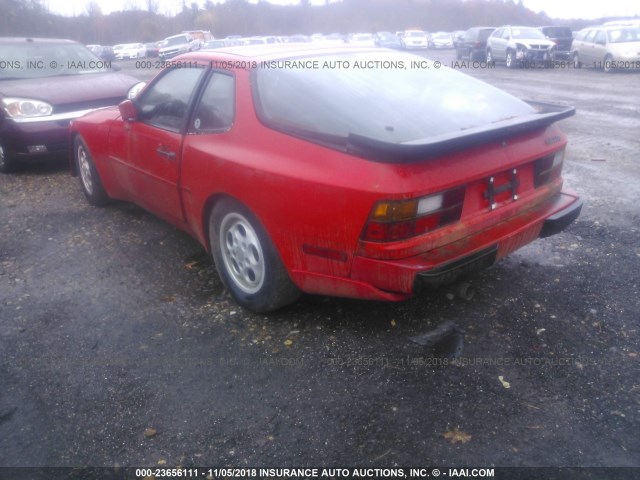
(354, 172)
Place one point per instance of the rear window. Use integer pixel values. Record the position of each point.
(173, 41)
(484, 34)
(378, 95)
(557, 32)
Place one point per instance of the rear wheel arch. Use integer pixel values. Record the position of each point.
(209, 205)
(608, 63)
(489, 56)
(247, 260)
(576, 60)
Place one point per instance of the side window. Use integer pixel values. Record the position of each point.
(166, 103)
(506, 34)
(497, 33)
(601, 38)
(216, 108)
(590, 38)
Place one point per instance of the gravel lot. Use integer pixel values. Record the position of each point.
(119, 347)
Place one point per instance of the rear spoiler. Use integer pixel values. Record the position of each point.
(389, 152)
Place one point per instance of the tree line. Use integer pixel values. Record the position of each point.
(239, 17)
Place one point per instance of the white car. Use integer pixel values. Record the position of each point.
(415, 39)
(333, 39)
(609, 48)
(362, 40)
(130, 51)
(176, 45)
(517, 46)
(442, 40)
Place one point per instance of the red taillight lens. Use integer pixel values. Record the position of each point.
(548, 168)
(391, 221)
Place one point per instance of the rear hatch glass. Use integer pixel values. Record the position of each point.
(387, 96)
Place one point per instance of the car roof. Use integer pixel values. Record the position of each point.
(47, 41)
(610, 27)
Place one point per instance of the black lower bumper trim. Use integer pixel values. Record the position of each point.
(451, 271)
(561, 220)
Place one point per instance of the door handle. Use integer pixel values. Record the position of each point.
(169, 155)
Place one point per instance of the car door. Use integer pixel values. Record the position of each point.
(207, 144)
(587, 49)
(155, 142)
(600, 48)
(500, 44)
(493, 40)
(505, 40)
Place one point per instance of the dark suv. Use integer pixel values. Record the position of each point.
(562, 37)
(473, 43)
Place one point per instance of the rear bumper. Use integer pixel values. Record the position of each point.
(445, 264)
(561, 220)
(398, 279)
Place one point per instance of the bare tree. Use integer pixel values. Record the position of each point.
(93, 9)
(152, 6)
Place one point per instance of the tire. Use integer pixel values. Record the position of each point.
(489, 56)
(7, 164)
(576, 61)
(510, 61)
(247, 262)
(607, 66)
(89, 178)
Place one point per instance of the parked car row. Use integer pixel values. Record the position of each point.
(608, 47)
(408, 39)
(184, 42)
(421, 39)
(130, 51)
(103, 52)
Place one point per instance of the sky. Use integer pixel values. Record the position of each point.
(554, 8)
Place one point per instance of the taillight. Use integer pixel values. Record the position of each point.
(548, 168)
(393, 220)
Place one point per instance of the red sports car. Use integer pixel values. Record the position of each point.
(355, 172)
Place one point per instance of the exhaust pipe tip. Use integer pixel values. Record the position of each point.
(462, 290)
(465, 291)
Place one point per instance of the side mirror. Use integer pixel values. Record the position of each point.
(135, 90)
(128, 111)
